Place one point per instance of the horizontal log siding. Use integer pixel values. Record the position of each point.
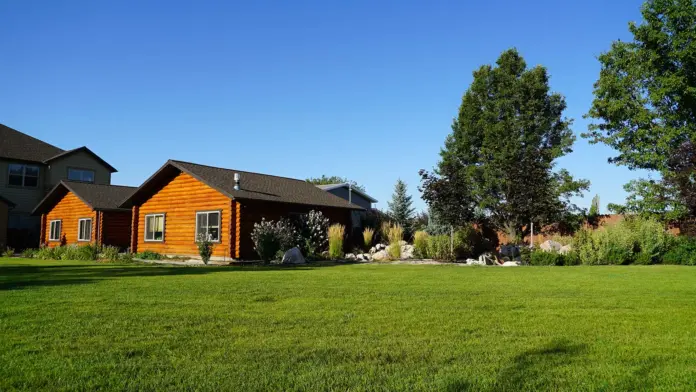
(253, 211)
(69, 210)
(116, 228)
(179, 200)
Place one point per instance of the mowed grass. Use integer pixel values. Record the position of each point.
(88, 326)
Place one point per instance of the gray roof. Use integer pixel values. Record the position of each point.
(98, 197)
(328, 187)
(253, 186)
(20, 146)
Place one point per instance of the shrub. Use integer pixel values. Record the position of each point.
(396, 234)
(46, 253)
(8, 252)
(420, 244)
(149, 255)
(69, 252)
(439, 248)
(313, 229)
(541, 258)
(681, 252)
(205, 247)
(110, 253)
(465, 240)
(384, 232)
(638, 240)
(29, 253)
(336, 233)
(87, 252)
(368, 233)
(274, 238)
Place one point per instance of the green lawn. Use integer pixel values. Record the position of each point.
(88, 326)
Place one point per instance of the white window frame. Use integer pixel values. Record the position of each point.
(79, 230)
(164, 226)
(50, 230)
(77, 169)
(219, 225)
(24, 175)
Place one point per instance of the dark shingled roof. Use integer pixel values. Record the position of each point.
(20, 146)
(8, 202)
(253, 186)
(98, 197)
(85, 149)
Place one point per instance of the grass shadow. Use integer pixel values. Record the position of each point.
(22, 276)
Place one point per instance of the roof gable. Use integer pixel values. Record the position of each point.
(329, 187)
(20, 146)
(253, 186)
(97, 197)
(81, 149)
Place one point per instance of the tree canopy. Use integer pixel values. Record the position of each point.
(645, 104)
(328, 180)
(498, 161)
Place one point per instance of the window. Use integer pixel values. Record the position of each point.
(208, 224)
(84, 229)
(23, 175)
(154, 227)
(54, 233)
(83, 175)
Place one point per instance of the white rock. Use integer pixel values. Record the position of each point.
(403, 243)
(407, 252)
(293, 256)
(373, 250)
(381, 255)
(511, 264)
(550, 246)
(475, 262)
(361, 257)
(565, 249)
(350, 256)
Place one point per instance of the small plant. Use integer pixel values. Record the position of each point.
(271, 238)
(69, 252)
(396, 234)
(543, 258)
(336, 234)
(46, 253)
(149, 255)
(384, 232)
(313, 229)
(205, 247)
(368, 234)
(420, 244)
(87, 252)
(110, 253)
(29, 253)
(439, 248)
(8, 252)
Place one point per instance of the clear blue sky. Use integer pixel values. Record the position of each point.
(361, 89)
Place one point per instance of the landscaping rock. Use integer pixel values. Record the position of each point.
(293, 256)
(363, 257)
(373, 250)
(565, 249)
(550, 246)
(382, 255)
(403, 243)
(510, 251)
(407, 252)
(350, 256)
(475, 262)
(511, 264)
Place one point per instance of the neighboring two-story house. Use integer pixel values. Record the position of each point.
(352, 195)
(29, 168)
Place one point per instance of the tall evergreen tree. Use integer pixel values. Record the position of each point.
(594, 207)
(645, 101)
(401, 208)
(498, 161)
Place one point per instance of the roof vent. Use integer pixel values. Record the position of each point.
(236, 181)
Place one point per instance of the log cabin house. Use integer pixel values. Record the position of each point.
(81, 213)
(183, 200)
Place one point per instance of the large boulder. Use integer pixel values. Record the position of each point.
(382, 255)
(510, 251)
(407, 252)
(565, 249)
(550, 246)
(293, 256)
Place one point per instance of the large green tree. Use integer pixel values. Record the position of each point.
(401, 209)
(645, 100)
(498, 162)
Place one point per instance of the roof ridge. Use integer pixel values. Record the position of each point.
(235, 170)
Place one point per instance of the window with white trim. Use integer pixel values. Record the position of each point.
(23, 175)
(84, 229)
(208, 224)
(54, 232)
(82, 175)
(154, 227)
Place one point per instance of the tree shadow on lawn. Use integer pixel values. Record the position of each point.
(14, 277)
